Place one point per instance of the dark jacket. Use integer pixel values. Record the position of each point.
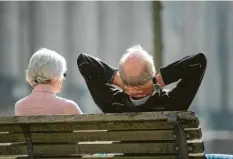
(110, 99)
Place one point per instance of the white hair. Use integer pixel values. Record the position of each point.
(149, 71)
(45, 66)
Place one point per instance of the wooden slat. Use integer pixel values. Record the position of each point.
(68, 149)
(116, 157)
(103, 136)
(13, 157)
(136, 125)
(10, 128)
(111, 136)
(192, 134)
(97, 157)
(13, 149)
(9, 138)
(191, 156)
(195, 146)
(101, 126)
(141, 116)
(99, 136)
(197, 156)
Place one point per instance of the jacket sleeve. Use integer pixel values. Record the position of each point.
(95, 69)
(189, 71)
(98, 76)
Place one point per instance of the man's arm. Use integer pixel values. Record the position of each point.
(95, 69)
(190, 71)
(99, 78)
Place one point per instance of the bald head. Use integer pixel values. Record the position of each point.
(136, 66)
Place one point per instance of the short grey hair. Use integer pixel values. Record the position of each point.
(149, 71)
(45, 66)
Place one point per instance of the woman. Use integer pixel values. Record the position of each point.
(46, 73)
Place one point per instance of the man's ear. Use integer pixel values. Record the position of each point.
(154, 80)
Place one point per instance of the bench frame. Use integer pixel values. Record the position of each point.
(180, 136)
(177, 122)
(27, 136)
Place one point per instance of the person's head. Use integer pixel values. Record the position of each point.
(46, 67)
(136, 67)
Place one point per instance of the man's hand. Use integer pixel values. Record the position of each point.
(145, 89)
(130, 90)
(160, 81)
(140, 91)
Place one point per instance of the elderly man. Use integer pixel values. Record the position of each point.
(140, 88)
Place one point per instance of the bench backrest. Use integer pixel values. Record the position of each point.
(153, 135)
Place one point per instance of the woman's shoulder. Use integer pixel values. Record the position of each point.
(70, 104)
(66, 101)
(21, 101)
(21, 105)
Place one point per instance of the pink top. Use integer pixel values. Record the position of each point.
(43, 101)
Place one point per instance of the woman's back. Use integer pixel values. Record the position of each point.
(43, 101)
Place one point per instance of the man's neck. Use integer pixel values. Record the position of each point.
(139, 101)
(137, 98)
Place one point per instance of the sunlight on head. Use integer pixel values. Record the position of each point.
(136, 67)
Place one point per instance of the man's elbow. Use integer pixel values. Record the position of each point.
(83, 63)
(202, 60)
(82, 59)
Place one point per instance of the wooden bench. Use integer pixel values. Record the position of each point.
(153, 135)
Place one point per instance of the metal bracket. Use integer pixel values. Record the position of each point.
(180, 136)
(28, 140)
